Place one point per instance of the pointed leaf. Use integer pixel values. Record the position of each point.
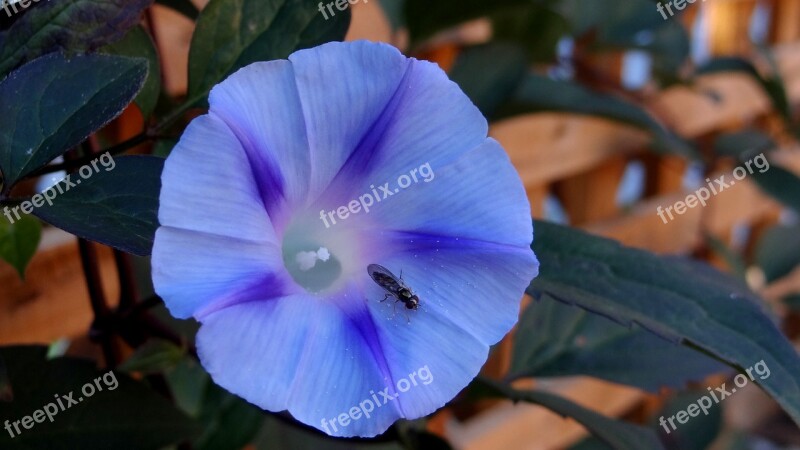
(138, 44)
(231, 34)
(185, 7)
(489, 73)
(117, 413)
(554, 339)
(781, 185)
(73, 25)
(619, 435)
(778, 251)
(19, 241)
(54, 103)
(678, 299)
(117, 206)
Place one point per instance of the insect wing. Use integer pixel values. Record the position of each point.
(384, 278)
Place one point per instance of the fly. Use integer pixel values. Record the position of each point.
(394, 287)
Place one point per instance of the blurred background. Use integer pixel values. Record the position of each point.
(608, 109)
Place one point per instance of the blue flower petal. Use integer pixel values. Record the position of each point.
(215, 241)
(207, 183)
(344, 90)
(259, 103)
(298, 354)
(373, 114)
(477, 197)
(197, 272)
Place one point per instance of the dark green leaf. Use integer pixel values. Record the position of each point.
(228, 421)
(612, 21)
(279, 434)
(54, 103)
(19, 240)
(696, 434)
(636, 25)
(231, 34)
(121, 413)
(750, 148)
(554, 339)
(773, 86)
(156, 355)
(188, 383)
(792, 302)
(670, 49)
(735, 262)
(591, 443)
(424, 18)
(537, 29)
(619, 435)
(678, 299)
(137, 43)
(619, 22)
(394, 12)
(538, 93)
(164, 147)
(74, 25)
(780, 184)
(778, 251)
(489, 73)
(743, 144)
(118, 207)
(185, 7)
(423, 440)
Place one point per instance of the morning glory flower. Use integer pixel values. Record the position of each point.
(304, 173)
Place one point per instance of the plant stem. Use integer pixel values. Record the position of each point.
(102, 314)
(86, 159)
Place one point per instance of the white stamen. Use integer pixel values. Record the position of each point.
(307, 260)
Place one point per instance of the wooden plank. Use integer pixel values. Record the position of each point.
(728, 26)
(643, 228)
(719, 101)
(552, 146)
(592, 196)
(785, 21)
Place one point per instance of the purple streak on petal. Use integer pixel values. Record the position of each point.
(271, 287)
(359, 163)
(267, 174)
(353, 304)
(421, 241)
